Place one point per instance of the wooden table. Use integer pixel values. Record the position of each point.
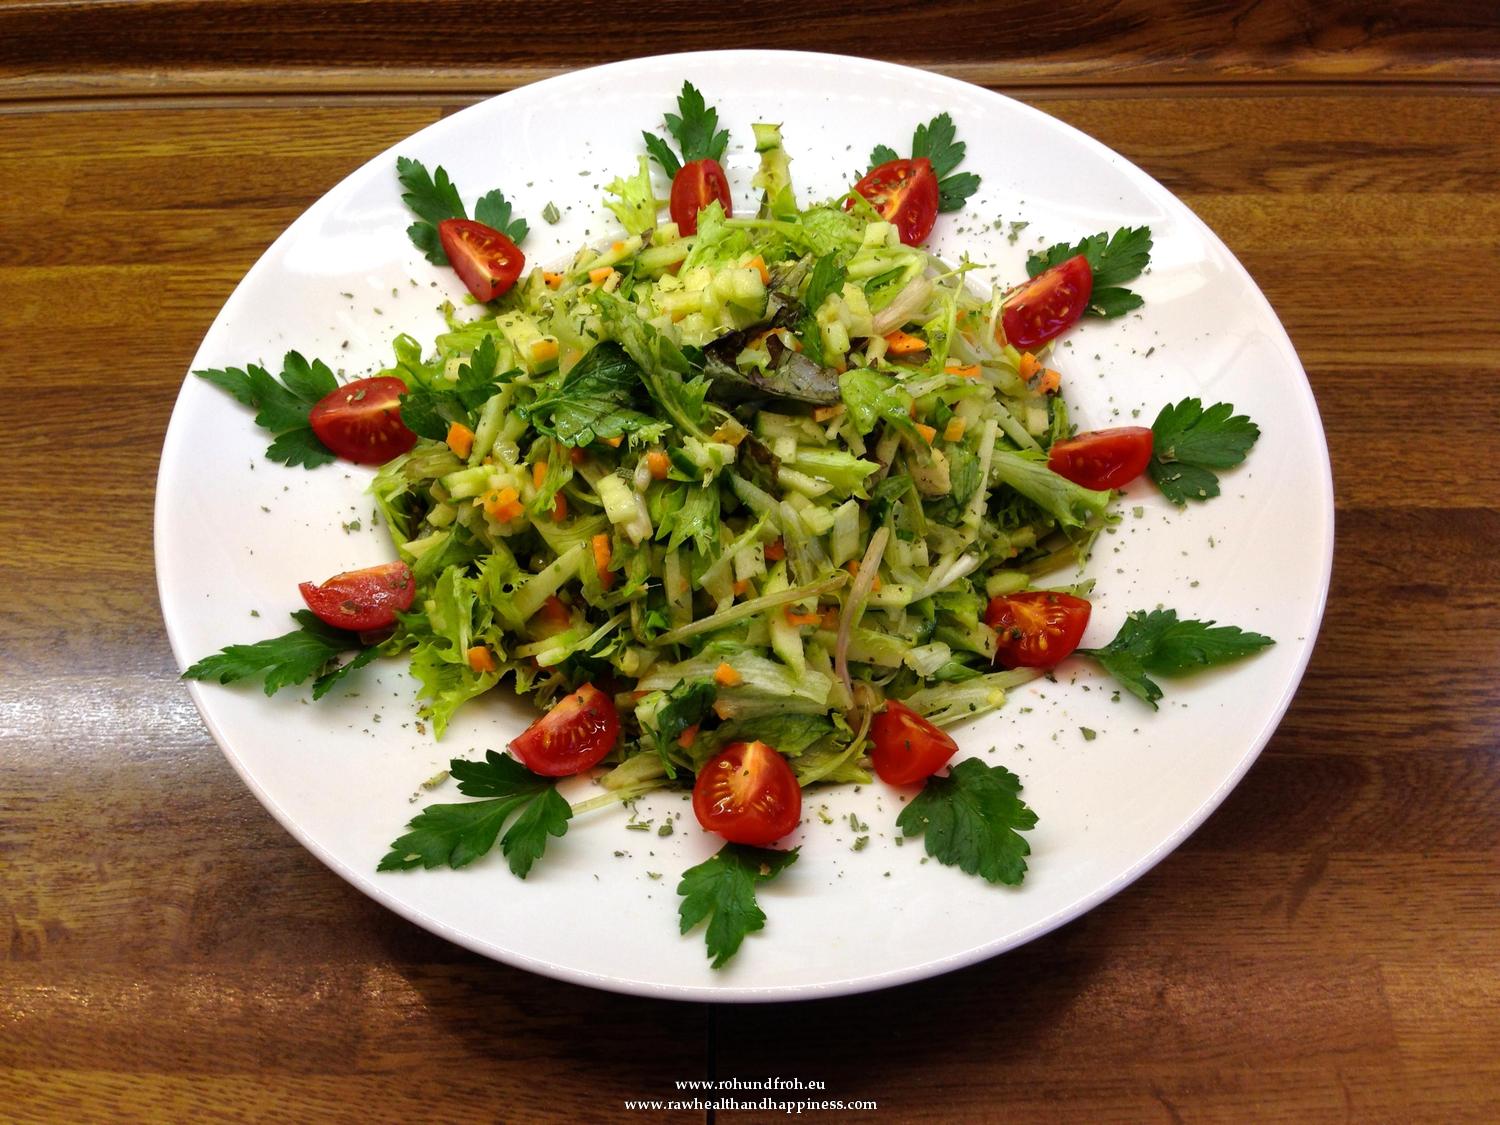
(1324, 948)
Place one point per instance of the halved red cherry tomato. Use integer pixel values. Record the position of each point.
(695, 186)
(361, 421)
(748, 794)
(1048, 304)
(905, 192)
(362, 600)
(572, 737)
(1103, 458)
(1037, 629)
(908, 748)
(485, 259)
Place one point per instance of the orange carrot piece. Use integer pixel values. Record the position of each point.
(659, 464)
(963, 370)
(927, 432)
(1030, 365)
(726, 676)
(601, 275)
(800, 619)
(827, 413)
(741, 587)
(460, 438)
(481, 659)
(1049, 381)
(903, 343)
(954, 430)
(559, 508)
(613, 442)
(553, 280)
(576, 455)
(544, 351)
(688, 737)
(758, 264)
(776, 550)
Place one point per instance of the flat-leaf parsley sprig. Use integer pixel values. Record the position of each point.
(1114, 260)
(1159, 643)
(309, 652)
(1189, 442)
(433, 197)
(282, 405)
(722, 889)
(938, 142)
(695, 127)
(972, 820)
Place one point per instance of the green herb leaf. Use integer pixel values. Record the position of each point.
(1190, 442)
(662, 153)
(1157, 642)
(722, 889)
(550, 214)
(697, 129)
(456, 835)
(938, 142)
(601, 397)
(433, 198)
(687, 705)
(971, 820)
(825, 279)
(427, 411)
(282, 406)
(1114, 259)
(292, 658)
(494, 210)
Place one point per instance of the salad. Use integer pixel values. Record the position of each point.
(744, 502)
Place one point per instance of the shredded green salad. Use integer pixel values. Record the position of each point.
(749, 483)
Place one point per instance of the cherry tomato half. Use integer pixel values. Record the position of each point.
(1037, 629)
(748, 794)
(362, 600)
(572, 737)
(908, 748)
(361, 421)
(485, 259)
(1048, 304)
(695, 186)
(905, 192)
(1103, 458)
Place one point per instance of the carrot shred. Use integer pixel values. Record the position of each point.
(1030, 365)
(741, 587)
(503, 506)
(559, 508)
(963, 370)
(1049, 381)
(544, 350)
(603, 552)
(553, 280)
(460, 438)
(954, 430)
(613, 442)
(800, 619)
(538, 474)
(617, 247)
(601, 275)
(688, 737)
(659, 464)
(576, 455)
(776, 550)
(481, 659)
(726, 676)
(827, 413)
(758, 264)
(927, 432)
(904, 343)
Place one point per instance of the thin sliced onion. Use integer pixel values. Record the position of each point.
(854, 603)
(906, 302)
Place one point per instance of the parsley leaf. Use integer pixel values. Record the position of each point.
(282, 407)
(826, 278)
(601, 397)
(1157, 642)
(696, 129)
(722, 889)
(291, 658)
(457, 835)
(971, 820)
(433, 197)
(1189, 442)
(686, 705)
(428, 410)
(1115, 259)
(938, 142)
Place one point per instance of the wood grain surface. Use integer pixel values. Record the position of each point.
(1324, 948)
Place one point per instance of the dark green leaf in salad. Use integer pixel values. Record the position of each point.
(1190, 442)
(1160, 644)
(282, 406)
(722, 889)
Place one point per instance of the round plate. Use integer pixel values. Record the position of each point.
(1115, 785)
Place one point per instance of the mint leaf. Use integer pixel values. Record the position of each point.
(722, 889)
(1114, 259)
(1189, 442)
(1157, 642)
(971, 820)
(456, 835)
(291, 658)
(282, 406)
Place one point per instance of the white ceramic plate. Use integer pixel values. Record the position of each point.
(235, 533)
